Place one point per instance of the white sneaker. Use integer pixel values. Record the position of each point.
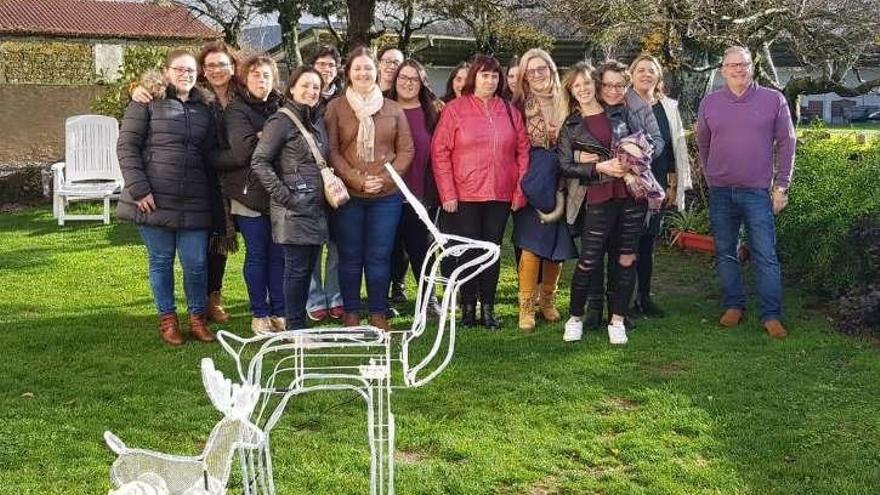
(261, 326)
(617, 333)
(574, 330)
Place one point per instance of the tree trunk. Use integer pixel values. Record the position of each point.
(692, 87)
(360, 22)
(289, 22)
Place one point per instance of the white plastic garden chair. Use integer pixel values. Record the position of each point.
(90, 170)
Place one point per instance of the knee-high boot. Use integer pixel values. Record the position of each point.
(549, 281)
(529, 265)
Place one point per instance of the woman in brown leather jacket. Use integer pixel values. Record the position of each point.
(366, 131)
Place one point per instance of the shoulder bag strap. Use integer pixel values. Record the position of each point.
(307, 135)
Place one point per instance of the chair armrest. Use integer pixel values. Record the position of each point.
(58, 174)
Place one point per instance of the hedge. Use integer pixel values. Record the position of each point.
(825, 235)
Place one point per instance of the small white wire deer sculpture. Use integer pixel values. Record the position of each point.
(359, 359)
(139, 471)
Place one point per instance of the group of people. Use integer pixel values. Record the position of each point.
(210, 148)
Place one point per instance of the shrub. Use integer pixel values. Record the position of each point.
(834, 197)
(135, 61)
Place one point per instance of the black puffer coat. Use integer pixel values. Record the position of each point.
(164, 149)
(245, 117)
(287, 169)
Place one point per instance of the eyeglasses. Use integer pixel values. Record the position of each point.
(410, 80)
(217, 66)
(183, 70)
(325, 65)
(538, 71)
(389, 62)
(614, 87)
(737, 65)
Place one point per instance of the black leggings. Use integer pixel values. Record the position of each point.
(216, 270)
(613, 227)
(645, 265)
(484, 221)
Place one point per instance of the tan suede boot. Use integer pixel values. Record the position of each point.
(215, 310)
(549, 281)
(529, 264)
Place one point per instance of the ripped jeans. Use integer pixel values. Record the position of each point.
(624, 218)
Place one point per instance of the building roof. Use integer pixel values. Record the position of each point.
(100, 19)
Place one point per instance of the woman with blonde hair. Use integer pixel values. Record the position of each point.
(544, 240)
(671, 167)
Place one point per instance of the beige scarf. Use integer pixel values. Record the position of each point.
(364, 108)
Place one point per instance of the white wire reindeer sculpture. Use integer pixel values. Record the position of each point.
(139, 471)
(358, 359)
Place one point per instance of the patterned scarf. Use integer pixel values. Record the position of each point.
(364, 108)
(539, 110)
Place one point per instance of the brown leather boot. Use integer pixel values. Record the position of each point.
(732, 317)
(351, 320)
(549, 280)
(378, 320)
(169, 329)
(198, 328)
(215, 310)
(775, 330)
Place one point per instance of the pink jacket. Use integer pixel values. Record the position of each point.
(477, 155)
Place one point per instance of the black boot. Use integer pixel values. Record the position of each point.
(468, 315)
(646, 306)
(398, 296)
(593, 318)
(488, 318)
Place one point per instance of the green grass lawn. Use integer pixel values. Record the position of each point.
(685, 408)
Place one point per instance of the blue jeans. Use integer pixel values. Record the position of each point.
(729, 208)
(192, 247)
(365, 232)
(299, 261)
(324, 293)
(263, 266)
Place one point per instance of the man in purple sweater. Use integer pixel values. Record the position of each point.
(741, 130)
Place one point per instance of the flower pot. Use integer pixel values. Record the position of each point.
(699, 243)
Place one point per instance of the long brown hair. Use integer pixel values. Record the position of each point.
(579, 69)
(427, 98)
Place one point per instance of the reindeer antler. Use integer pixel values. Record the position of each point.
(232, 399)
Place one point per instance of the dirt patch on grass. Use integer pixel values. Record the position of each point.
(549, 486)
(409, 457)
(623, 403)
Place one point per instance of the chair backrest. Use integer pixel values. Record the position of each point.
(90, 148)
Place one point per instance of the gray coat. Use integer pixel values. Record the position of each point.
(287, 170)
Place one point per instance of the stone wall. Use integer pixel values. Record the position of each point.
(32, 120)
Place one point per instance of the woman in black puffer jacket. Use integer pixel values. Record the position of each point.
(288, 170)
(249, 203)
(163, 152)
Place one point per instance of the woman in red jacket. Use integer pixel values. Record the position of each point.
(480, 151)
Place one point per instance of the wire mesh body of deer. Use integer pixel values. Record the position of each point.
(366, 360)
